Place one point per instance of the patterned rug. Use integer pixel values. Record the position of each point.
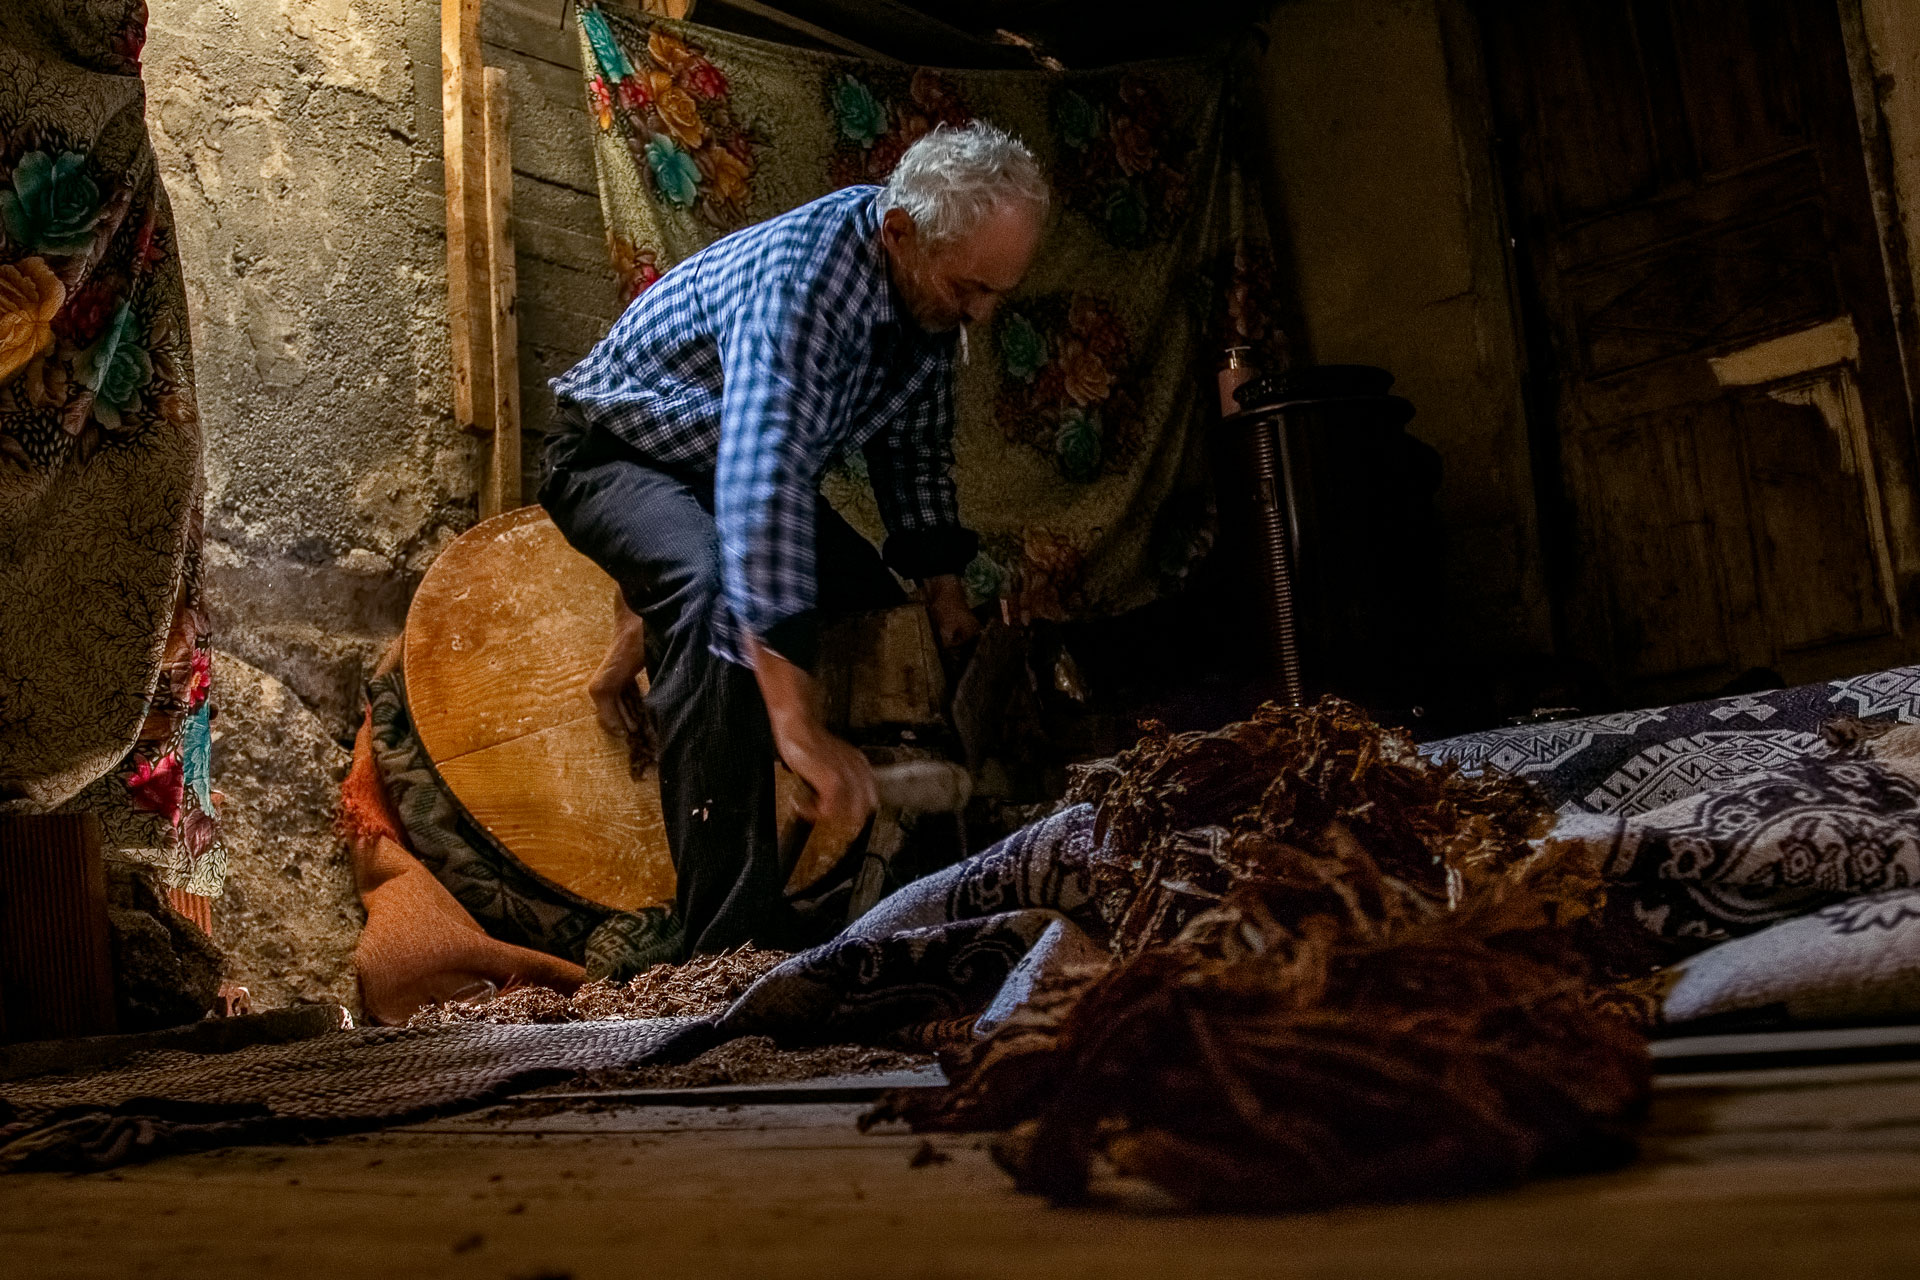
(1632, 762)
(167, 1102)
(1711, 820)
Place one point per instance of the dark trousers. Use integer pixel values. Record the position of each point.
(654, 535)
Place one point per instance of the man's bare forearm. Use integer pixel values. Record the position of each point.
(790, 693)
(840, 776)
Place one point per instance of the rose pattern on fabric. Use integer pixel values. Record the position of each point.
(674, 172)
(30, 298)
(130, 41)
(53, 206)
(1078, 446)
(1122, 164)
(983, 579)
(1040, 572)
(1068, 390)
(157, 787)
(1101, 438)
(875, 126)
(859, 114)
(680, 113)
(1023, 349)
(636, 268)
(704, 80)
(674, 107)
(91, 295)
(84, 317)
(600, 99)
(116, 368)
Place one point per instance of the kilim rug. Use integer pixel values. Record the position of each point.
(167, 1102)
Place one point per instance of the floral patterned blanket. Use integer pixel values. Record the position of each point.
(1080, 453)
(105, 668)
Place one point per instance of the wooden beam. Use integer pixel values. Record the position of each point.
(805, 28)
(469, 310)
(501, 492)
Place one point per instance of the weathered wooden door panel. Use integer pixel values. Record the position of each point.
(1649, 523)
(1713, 352)
(1812, 527)
(1720, 286)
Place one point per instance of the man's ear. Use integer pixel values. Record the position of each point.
(897, 229)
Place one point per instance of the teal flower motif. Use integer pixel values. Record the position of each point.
(983, 580)
(1178, 550)
(116, 367)
(1077, 447)
(1126, 217)
(674, 171)
(861, 117)
(1078, 120)
(196, 754)
(53, 206)
(606, 50)
(854, 463)
(1023, 349)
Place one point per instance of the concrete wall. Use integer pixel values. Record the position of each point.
(1379, 179)
(300, 143)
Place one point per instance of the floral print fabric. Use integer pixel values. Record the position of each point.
(1080, 452)
(105, 667)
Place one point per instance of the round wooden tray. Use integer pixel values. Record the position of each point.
(503, 635)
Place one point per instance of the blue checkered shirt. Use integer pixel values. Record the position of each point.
(760, 360)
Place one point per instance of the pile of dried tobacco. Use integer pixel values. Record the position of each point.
(751, 1060)
(1341, 973)
(700, 988)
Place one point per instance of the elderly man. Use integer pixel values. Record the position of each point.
(687, 459)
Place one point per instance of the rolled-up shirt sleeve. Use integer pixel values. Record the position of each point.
(784, 376)
(911, 466)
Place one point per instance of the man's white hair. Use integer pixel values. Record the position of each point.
(952, 178)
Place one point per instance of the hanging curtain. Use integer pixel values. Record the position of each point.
(1080, 451)
(105, 666)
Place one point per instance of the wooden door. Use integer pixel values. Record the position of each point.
(1722, 433)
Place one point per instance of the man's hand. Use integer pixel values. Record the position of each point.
(953, 622)
(613, 688)
(842, 780)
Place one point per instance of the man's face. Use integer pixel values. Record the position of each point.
(962, 281)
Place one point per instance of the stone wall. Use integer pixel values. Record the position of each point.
(300, 144)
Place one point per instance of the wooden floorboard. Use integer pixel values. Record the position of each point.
(1794, 1173)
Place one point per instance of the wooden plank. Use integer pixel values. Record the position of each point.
(469, 311)
(812, 31)
(796, 1191)
(563, 801)
(503, 635)
(501, 491)
(56, 966)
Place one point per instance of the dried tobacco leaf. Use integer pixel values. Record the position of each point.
(700, 988)
(1342, 973)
